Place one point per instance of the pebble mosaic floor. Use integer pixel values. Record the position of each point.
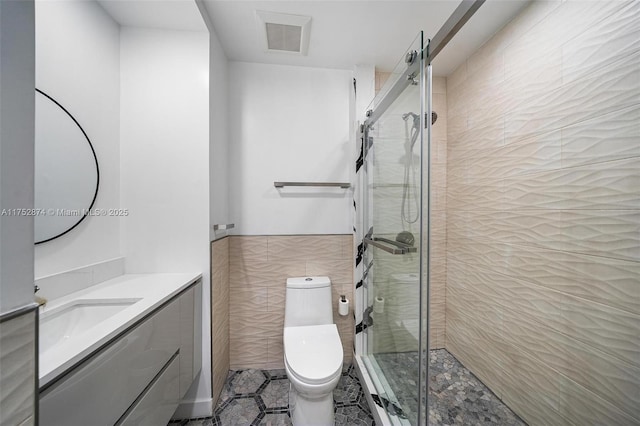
(456, 396)
(261, 397)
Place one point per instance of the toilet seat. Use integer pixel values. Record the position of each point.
(313, 354)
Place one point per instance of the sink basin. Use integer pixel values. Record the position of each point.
(69, 320)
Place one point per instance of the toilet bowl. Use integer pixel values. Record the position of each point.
(312, 351)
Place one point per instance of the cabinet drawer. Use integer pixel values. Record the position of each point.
(190, 336)
(159, 401)
(101, 389)
(186, 340)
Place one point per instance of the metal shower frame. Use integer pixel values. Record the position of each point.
(454, 23)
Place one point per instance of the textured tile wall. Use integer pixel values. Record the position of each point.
(219, 314)
(258, 269)
(543, 213)
(17, 370)
(438, 219)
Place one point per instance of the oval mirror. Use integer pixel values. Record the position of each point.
(66, 171)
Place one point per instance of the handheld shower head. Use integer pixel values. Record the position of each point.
(410, 170)
(416, 118)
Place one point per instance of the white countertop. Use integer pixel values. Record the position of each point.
(152, 290)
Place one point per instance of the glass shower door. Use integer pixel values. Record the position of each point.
(393, 269)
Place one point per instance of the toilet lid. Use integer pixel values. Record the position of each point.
(313, 353)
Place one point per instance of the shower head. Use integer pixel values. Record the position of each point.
(416, 118)
(409, 114)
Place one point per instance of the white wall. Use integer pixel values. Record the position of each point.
(366, 89)
(78, 64)
(18, 360)
(219, 132)
(16, 152)
(289, 124)
(164, 136)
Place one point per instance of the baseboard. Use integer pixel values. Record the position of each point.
(194, 409)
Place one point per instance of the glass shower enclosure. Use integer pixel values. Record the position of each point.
(395, 212)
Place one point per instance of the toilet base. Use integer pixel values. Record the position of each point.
(306, 411)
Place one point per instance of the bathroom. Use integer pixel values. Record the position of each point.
(465, 175)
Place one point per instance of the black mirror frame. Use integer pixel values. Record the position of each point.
(95, 158)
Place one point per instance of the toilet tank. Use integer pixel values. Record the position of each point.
(308, 302)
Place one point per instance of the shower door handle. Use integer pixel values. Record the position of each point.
(393, 249)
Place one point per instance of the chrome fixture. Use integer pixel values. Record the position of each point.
(324, 184)
(41, 301)
(409, 166)
(412, 79)
(366, 317)
(411, 57)
(390, 246)
(218, 227)
(416, 118)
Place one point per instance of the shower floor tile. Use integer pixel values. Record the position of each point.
(261, 397)
(456, 396)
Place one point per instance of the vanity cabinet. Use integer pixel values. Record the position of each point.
(139, 377)
(159, 402)
(190, 337)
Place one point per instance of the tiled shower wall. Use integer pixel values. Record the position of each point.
(438, 219)
(388, 164)
(258, 269)
(543, 211)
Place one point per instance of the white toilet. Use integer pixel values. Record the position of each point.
(312, 350)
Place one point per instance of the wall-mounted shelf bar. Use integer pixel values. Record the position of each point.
(218, 227)
(325, 184)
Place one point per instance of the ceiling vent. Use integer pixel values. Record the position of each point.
(284, 33)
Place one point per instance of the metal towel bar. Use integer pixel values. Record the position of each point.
(407, 247)
(392, 250)
(397, 247)
(329, 184)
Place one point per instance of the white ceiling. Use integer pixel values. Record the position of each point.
(165, 14)
(344, 33)
(347, 32)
